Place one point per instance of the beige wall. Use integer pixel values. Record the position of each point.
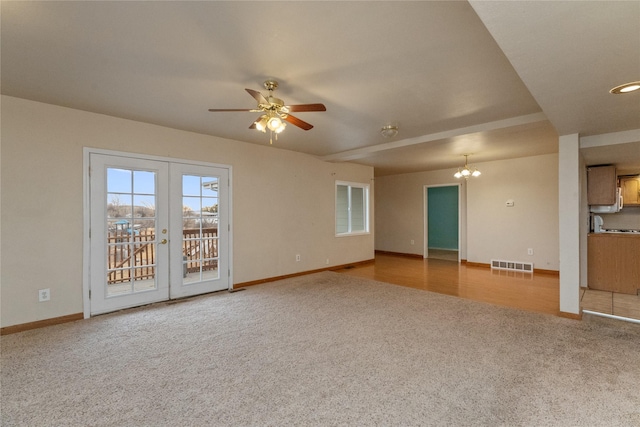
(493, 231)
(283, 202)
(500, 232)
(400, 210)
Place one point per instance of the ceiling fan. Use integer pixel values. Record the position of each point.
(274, 111)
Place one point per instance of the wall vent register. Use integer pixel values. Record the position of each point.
(512, 265)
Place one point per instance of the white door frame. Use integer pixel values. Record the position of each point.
(86, 186)
(425, 216)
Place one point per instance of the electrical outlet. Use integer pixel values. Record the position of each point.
(297, 257)
(413, 242)
(530, 251)
(44, 295)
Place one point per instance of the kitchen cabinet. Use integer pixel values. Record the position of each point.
(630, 190)
(601, 185)
(612, 262)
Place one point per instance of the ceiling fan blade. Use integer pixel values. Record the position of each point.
(307, 107)
(296, 121)
(215, 110)
(258, 96)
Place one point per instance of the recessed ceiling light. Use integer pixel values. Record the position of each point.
(626, 88)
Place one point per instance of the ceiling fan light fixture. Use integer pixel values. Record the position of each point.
(274, 112)
(626, 88)
(389, 131)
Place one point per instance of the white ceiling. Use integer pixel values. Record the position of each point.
(497, 80)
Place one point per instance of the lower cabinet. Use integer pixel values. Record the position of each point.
(614, 262)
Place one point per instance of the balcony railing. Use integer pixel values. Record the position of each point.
(132, 255)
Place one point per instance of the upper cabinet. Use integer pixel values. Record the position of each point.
(601, 185)
(630, 190)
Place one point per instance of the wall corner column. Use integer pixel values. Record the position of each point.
(569, 223)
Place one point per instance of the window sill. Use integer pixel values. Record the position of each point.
(362, 233)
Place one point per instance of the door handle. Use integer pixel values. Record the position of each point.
(163, 241)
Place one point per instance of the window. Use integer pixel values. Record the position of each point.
(352, 208)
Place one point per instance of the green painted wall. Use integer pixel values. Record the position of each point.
(442, 217)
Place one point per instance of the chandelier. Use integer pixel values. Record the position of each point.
(466, 172)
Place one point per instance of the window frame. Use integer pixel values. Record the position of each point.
(365, 208)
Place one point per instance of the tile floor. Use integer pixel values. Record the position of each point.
(622, 305)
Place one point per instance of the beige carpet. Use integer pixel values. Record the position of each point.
(324, 350)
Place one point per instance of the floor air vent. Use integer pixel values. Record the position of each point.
(512, 265)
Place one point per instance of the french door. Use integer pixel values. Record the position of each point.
(158, 230)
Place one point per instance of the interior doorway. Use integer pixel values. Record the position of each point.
(442, 222)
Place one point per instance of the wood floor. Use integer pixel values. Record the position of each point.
(443, 254)
(526, 291)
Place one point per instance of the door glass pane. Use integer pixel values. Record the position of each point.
(131, 231)
(200, 228)
(144, 182)
(118, 180)
(191, 272)
(144, 279)
(191, 185)
(119, 205)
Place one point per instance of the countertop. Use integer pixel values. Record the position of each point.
(616, 234)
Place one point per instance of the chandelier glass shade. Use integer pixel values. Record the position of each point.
(275, 124)
(261, 123)
(389, 131)
(466, 171)
(271, 121)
